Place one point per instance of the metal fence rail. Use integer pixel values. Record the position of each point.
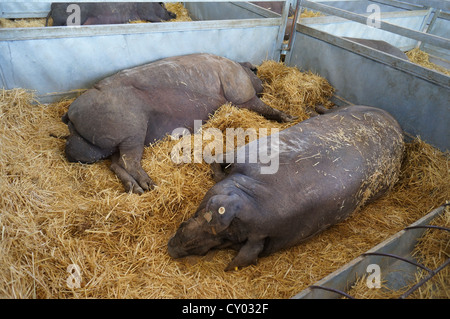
(337, 283)
(431, 272)
(416, 35)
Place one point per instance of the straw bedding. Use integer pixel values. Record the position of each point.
(422, 58)
(310, 14)
(22, 23)
(55, 213)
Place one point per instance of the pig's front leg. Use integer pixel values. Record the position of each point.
(127, 165)
(248, 254)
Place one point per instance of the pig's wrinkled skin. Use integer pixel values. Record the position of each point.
(329, 167)
(135, 107)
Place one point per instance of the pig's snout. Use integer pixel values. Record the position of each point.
(174, 249)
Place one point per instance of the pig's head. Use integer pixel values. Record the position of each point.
(213, 226)
(80, 150)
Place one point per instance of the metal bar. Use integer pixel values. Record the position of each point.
(263, 12)
(425, 27)
(416, 35)
(282, 30)
(427, 23)
(428, 277)
(401, 5)
(438, 4)
(429, 226)
(333, 290)
(294, 22)
(399, 258)
(444, 15)
(428, 28)
(102, 30)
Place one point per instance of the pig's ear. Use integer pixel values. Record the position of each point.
(220, 215)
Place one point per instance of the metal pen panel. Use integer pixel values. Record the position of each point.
(346, 28)
(398, 273)
(415, 96)
(61, 59)
(410, 33)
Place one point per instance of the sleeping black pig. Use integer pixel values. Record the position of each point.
(133, 108)
(329, 166)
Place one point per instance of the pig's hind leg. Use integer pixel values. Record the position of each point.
(239, 89)
(258, 106)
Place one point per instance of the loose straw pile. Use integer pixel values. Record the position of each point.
(181, 12)
(55, 214)
(422, 58)
(310, 14)
(22, 23)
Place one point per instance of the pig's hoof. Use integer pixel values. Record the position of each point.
(144, 181)
(288, 118)
(236, 264)
(231, 268)
(141, 187)
(133, 187)
(146, 184)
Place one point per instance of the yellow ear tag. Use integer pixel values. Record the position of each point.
(222, 210)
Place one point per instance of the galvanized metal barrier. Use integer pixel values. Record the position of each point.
(382, 25)
(396, 248)
(56, 60)
(439, 25)
(414, 95)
